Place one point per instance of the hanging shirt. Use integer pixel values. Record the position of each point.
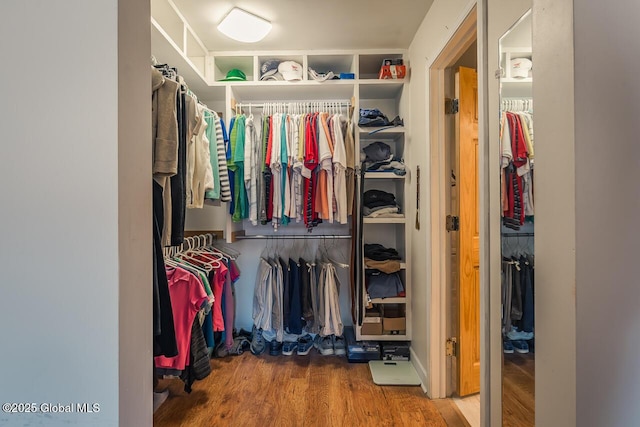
(251, 171)
(202, 175)
(213, 134)
(276, 169)
(339, 169)
(225, 187)
(325, 150)
(237, 152)
(187, 297)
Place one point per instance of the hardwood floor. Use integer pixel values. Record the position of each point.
(296, 391)
(518, 387)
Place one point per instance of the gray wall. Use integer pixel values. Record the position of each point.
(607, 153)
(64, 229)
(555, 186)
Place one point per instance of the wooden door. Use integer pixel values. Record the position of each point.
(468, 351)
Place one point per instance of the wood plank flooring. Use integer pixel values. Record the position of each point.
(518, 390)
(296, 391)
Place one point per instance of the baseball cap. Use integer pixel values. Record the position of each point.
(269, 68)
(235, 74)
(520, 67)
(320, 76)
(290, 70)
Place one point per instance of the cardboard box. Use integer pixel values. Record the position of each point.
(390, 324)
(372, 323)
(371, 328)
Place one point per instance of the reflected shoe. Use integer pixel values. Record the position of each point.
(275, 348)
(258, 345)
(507, 347)
(289, 347)
(324, 345)
(521, 346)
(339, 346)
(514, 334)
(305, 344)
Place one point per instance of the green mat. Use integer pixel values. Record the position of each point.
(387, 372)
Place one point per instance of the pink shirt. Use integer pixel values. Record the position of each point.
(187, 296)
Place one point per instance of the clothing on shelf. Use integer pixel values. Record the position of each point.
(381, 276)
(380, 204)
(377, 157)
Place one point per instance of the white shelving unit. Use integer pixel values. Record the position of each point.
(389, 97)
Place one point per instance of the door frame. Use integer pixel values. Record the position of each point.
(460, 39)
(472, 25)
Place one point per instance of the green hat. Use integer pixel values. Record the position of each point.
(235, 74)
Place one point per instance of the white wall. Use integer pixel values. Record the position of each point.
(439, 24)
(555, 187)
(61, 224)
(134, 213)
(607, 202)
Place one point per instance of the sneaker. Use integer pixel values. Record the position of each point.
(275, 348)
(339, 346)
(305, 344)
(521, 346)
(289, 347)
(514, 334)
(507, 347)
(324, 345)
(258, 346)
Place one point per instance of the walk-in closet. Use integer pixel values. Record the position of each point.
(338, 213)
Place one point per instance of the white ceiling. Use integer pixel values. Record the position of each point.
(305, 24)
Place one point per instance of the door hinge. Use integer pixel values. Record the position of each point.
(452, 347)
(453, 223)
(499, 73)
(450, 106)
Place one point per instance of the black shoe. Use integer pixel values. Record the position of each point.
(275, 348)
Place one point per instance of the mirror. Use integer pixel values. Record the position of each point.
(517, 230)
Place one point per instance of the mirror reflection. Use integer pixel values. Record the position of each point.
(517, 150)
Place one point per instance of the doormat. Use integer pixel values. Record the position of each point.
(389, 372)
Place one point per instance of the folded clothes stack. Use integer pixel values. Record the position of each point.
(377, 157)
(380, 204)
(380, 258)
(382, 278)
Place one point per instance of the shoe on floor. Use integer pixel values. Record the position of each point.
(521, 346)
(289, 347)
(514, 334)
(324, 345)
(258, 345)
(339, 346)
(275, 348)
(305, 344)
(507, 347)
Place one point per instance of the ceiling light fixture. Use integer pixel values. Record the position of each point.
(243, 26)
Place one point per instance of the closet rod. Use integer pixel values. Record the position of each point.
(295, 236)
(303, 103)
(518, 234)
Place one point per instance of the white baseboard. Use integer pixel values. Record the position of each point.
(422, 373)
